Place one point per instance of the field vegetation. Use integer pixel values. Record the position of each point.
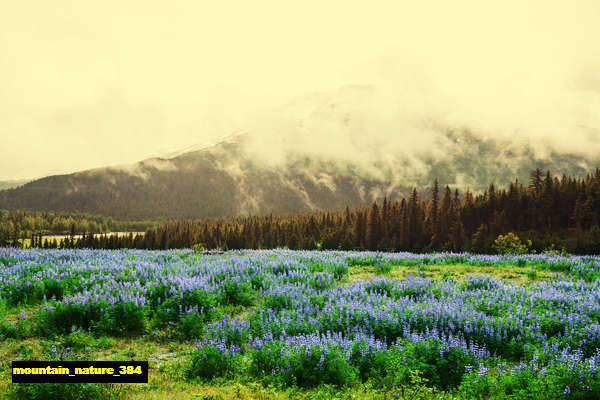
(282, 324)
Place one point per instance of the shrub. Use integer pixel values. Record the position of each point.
(309, 369)
(318, 267)
(510, 244)
(371, 364)
(199, 247)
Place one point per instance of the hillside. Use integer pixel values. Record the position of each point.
(205, 183)
(224, 180)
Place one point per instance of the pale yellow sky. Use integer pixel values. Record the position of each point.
(92, 83)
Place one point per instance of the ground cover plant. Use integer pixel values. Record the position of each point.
(307, 324)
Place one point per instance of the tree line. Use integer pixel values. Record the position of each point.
(559, 212)
(18, 225)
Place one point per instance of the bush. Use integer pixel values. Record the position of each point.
(510, 244)
(362, 261)
(338, 270)
(552, 251)
(199, 247)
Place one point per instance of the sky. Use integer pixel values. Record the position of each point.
(85, 84)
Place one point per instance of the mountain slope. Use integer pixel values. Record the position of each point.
(321, 151)
(224, 180)
(205, 183)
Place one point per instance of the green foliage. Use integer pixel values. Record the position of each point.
(571, 222)
(258, 281)
(120, 319)
(14, 329)
(510, 244)
(553, 381)
(209, 362)
(442, 372)
(305, 368)
(361, 261)
(321, 281)
(412, 386)
(171, 313)
(190, 326)
(373, 365)
(199, 247)
(552, 251)
(237, 293)
(309, 369)
(338, 270)
(71, 391)
(531, 273)
(383, 268)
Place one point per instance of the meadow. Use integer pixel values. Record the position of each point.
(282, 324)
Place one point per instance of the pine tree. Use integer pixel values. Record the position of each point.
(434, 214)
(445, 216)
(535, 181)
(373, 228)
(414, 224)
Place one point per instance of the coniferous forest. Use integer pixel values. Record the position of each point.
(560, 213)
(16, 225)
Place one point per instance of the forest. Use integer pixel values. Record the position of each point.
(16, 225)
(559, 213)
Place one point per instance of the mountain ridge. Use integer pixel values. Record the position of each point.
(224, 180)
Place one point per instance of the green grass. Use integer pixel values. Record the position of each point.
(511, 274)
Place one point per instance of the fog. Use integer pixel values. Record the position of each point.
(86, 84)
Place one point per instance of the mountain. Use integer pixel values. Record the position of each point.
(211, 182)
(224, 179)
(322, 151)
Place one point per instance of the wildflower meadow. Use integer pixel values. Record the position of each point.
(308, 323)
